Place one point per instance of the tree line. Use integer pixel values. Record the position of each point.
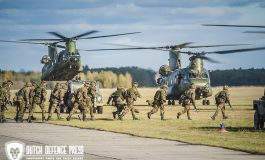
(124, 76)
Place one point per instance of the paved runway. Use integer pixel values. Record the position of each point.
(108, 145)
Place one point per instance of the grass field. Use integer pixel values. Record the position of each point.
(200, 130)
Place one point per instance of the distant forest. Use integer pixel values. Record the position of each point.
(111, 77)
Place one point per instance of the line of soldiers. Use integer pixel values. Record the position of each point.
(33, 95)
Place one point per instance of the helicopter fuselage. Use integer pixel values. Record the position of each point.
(179, 81)
(64, 66)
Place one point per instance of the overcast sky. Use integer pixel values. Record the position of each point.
(161, 22)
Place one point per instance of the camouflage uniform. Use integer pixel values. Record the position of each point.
(3, 101)
(23, 101)
(187, 99)
(131, 96)
(39, 99)
(91, 99)
(158, 103)
(117, 98)
(56, 99)
(221, 98)
(80, 101)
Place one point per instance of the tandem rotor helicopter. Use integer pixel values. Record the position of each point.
(66, 64)
(179, 79)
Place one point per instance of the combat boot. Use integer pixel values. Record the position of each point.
(189, 118)
(114, 115)
(136, 118)
(225, 117)
(213, 118)
(84, 118)
(49, 118)
(59, 116)
(178, 114)
(43, 119)
(120, 117)
(149, 115)
(33, 118)
(29, 119)
(68, 118)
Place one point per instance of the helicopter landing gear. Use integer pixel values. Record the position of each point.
(171, 102)
(206, 102)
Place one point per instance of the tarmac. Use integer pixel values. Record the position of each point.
(112, 146)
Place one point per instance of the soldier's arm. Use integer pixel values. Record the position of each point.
(110, 98)
(163, 97)
(43, 94)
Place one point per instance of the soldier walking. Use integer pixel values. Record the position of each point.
(80, 101)
(117, 98)
(4, 100)
(221, 98)
(39, 99)
(23, 101)
(131, 95)
(56, 99)
(186, 100)
(91, 103)
(158, 103)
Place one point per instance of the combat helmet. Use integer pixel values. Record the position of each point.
(43, 84)
(192, 86)
(9, 82)
(135, 84)
(28, 84)
(87, 83)
(164, 86)
(225, 87)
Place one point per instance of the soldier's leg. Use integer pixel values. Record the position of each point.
(223, 112)
(31, 111)
(58, 109)
(154, 110)
(188, 112)
(162, 112)
(1, 113)
(125, 111)
(91, 112)
(216, 112)
(42, 107)
(72, 111)
(182, 112)
(21, 108)
(52, 107)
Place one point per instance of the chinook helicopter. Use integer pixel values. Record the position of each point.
(66, 64)
(179, 79)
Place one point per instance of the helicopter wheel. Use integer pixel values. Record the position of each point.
(208, 102)
(169, 102)
(204, 102)
(173, 102)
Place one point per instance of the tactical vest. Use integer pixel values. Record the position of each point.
(187, 98)
(221, 97)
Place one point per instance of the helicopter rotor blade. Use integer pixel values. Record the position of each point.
(84, 34)
(21, 42)
(111, 35)
(259, 32)
(220, 45)
(207, 59)
(40, 39)
(59, 35)
(236, 50)
(224, 25)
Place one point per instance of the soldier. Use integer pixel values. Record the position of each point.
(34, 85)
(39, 99)
(221, 98)
(56, 99)
(159, 100)
(4, 95)
(187, 99)
(80, 101)
(91, 99)
(117, 98)
(23, 101)
(131, 96)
